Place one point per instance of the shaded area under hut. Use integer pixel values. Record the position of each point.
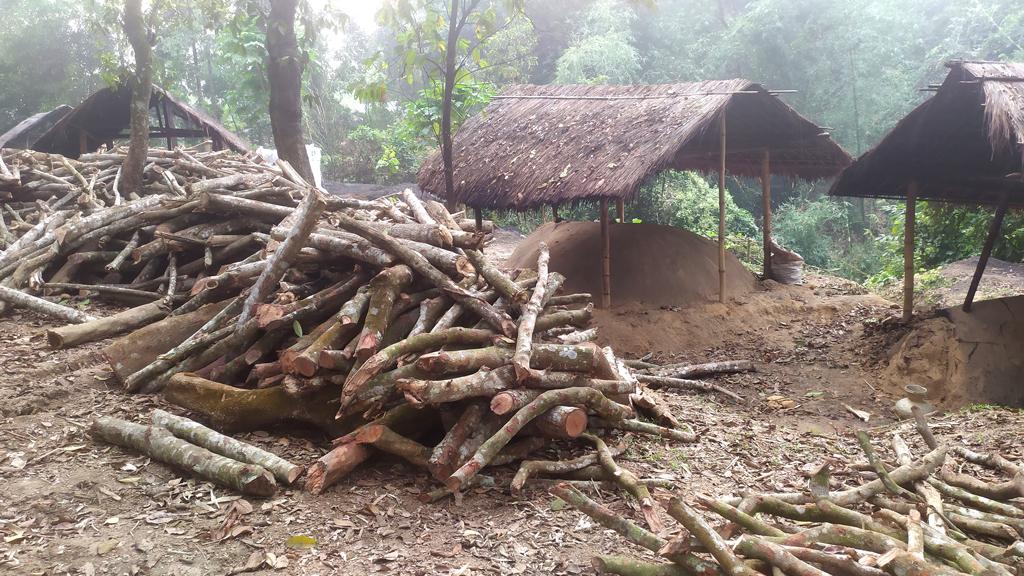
(25, 133)
(551, 145)
(964, 145)
(104, 117)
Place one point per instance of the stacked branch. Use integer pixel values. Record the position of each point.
(256, 299)
(917, 517)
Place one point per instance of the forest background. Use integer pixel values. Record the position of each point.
(372, 103)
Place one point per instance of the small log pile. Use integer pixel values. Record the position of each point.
(918, 516)
(380, 322)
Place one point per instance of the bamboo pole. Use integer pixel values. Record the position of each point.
(908, 251)
(606, 257)
(766, 210)
(986, 251)
(721, 212)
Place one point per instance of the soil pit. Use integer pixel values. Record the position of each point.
(965, 357)
(650, 264)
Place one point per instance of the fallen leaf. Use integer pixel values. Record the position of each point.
(106, 546)
(276, 562)
(300, 542)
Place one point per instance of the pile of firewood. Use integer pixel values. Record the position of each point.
(381, 322)
(922, 517)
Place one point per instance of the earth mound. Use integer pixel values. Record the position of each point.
(650, 264)
(965, 358)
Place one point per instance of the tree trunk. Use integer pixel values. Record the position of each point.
(447, 157)
(285, 64)
(142, 93)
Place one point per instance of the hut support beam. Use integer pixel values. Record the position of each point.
(554, 212)
(986, 251)
(766, 210)
(908, 251)
(721, 213)
(478, 214)
(172, 141)
(620, 207)
(606, 257)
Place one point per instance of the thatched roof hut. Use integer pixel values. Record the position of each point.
(555, 144)
(958, 146)
(104, 117)
(25, 133)
(963, 145)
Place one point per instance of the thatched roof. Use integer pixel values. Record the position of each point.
(551, 144)
(25, 133)
(959, 145)
(104, 117)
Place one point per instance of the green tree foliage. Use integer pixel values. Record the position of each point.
(688, 200)
(602, 51)
(48, 56)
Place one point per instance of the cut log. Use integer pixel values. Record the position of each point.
(305, 221)
(568, 396)
(482, 384)
(226, 446)
(528, 319)
(384, 288)
(630, 483)
(386, 440)
(101, 328)
(562, 422)
(708, 369)
(20, 299)
(236, 409)
(335, 465)
(443, 459)
(683, 384)
(159, 444)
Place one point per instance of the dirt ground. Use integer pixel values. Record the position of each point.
(69, 505)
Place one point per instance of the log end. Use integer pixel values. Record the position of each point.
(260, 483)
(370, 433)
(502, 404)
(54, 339)
(305, 366)
(575, 423)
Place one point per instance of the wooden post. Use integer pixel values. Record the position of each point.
(606, 257)
(908, 252)
(620, 206)
(766, 210)
(554, 212)
(172, 140)
(986, 251)
(721, 213)
(479, 215)
(83, 142)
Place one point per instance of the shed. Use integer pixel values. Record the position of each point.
(556, 144)
(964, 145)
(105, 117)
(24, 134)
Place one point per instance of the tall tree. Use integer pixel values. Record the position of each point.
(446, 41)
(285, 65)
(142, 91)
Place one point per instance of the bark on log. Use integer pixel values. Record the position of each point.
(528, 319)
(562, 422)
(648, 402)
(482, 384)
(101, 328)
(385, 358)
(226, 446)
(556, 467)
(305, 220)
(635, 534)
(624, 566)
(679, 383)
(335, 465)
(629, 482)
(417, 262)
(159, 444)
(777, 556)
(514, 400)
(510, 290)
(698, 370)
(386, 440)
(20, 299)
(711, 540)
(443, 459)
(641, 427)
(568, 396)
(237, 409)
(384, 288)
